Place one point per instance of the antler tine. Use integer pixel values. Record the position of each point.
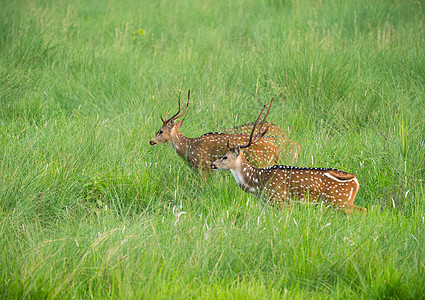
(253, 130)
(267, 114)
(188, 100)
(174, 117)
(163, 121)
(261, 134)
(264, 120)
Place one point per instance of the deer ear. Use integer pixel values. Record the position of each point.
(179, 124)
(237, 150)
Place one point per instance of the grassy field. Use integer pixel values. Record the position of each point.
(89, 209)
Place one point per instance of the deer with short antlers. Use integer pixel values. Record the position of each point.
(279, 184)
(201, 151)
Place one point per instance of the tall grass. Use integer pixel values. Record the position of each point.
(89, 209)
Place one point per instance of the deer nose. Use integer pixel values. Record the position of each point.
(152, 143)
(213, 166)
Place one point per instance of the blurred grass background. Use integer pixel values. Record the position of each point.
(89, 209)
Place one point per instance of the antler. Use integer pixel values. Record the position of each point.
(188, 100)
(260, 134)
(172, 118)
(176, 116)
(228, 145)
(264, 120)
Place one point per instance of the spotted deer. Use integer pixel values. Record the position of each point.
(201, 151)
(279, 184)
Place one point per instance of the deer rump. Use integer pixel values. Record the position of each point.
(289, 149)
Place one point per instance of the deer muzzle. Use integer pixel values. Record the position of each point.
(214, 167)
(152, 142)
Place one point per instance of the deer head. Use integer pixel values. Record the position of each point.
(233, 156)
(169, 126)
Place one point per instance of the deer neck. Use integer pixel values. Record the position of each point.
(179, 143)
(246, 176)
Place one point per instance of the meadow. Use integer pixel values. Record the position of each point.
(88, 209)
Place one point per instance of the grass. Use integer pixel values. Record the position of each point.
(89, 209)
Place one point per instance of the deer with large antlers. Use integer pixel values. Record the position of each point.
(289, 150)
(279, 184)
(201, 151)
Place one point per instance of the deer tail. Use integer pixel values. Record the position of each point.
(341, 175)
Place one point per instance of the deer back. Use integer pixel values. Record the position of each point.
(209, 147)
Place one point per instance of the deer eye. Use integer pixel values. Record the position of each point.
(160, 132)
(225, 157)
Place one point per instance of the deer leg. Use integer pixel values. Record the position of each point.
(360, 209)
(204, 167)
(204, 170)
